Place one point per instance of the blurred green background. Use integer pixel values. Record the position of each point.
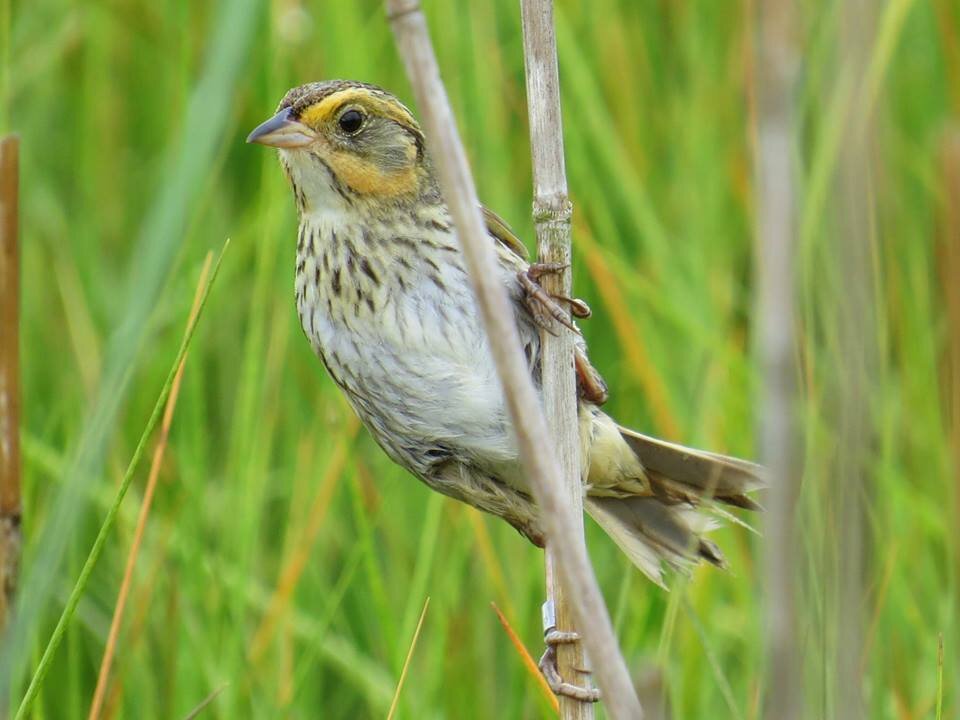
(285, 557)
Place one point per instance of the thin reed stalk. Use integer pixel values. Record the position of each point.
(99, 694)
(552, 212)
(855, 374)
(775, 75)
(537, 451)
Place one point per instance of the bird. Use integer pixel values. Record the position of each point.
(384, 298)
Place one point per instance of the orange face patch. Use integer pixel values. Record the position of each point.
(360, 172)
(365, 178)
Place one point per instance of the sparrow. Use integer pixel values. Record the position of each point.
(384, 298)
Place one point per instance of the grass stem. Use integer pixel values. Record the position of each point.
(70, 608)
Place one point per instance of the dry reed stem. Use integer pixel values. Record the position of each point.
(10, 510)
(96, 706)
(552, 213)
(537, 453)
(775, 72)
(527, 659)
(563, 528)
(406, 662)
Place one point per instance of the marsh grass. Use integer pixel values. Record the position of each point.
(285, 556)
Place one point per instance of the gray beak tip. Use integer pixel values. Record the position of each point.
(281, 131)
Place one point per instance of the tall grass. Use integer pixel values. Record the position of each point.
(133, 115)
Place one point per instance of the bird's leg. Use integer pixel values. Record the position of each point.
(545, 307)
(548, 661)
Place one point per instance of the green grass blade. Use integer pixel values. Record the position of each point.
(159, 242)
(67, 615)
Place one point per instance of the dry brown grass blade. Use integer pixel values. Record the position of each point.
(882, 593)
(10, 539)
(527, 659)
(629, 336)
(950, 271)
(406, 662)
(141, 605)
(901, 707)
(96, 706)
(948, 23)
(489, 557)
(140, 614)
(297, 562)
(285, 686)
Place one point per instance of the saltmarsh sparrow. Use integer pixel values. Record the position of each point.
(384, 298)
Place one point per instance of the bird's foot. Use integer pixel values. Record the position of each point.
(546, 308)
(591, 386)
(548, 661)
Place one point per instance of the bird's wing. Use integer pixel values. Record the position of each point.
(499, 229)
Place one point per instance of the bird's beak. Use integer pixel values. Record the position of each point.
(282, 132)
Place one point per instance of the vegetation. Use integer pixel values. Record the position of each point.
(285, 556)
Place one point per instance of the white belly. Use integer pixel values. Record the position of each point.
(410, 353)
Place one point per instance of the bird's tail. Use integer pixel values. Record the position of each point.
(666, 522)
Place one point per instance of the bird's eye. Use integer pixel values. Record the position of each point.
(351, 121)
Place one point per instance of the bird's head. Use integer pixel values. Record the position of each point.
(344, 143)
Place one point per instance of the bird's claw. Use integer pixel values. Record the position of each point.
(548, 315)
(590, 384)
(548, 661)
(544, 307)
(538, 269)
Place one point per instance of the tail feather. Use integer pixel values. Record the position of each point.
(668, 526)
(667, 489)
(642, 553)
(697, 472)
(649, 532)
